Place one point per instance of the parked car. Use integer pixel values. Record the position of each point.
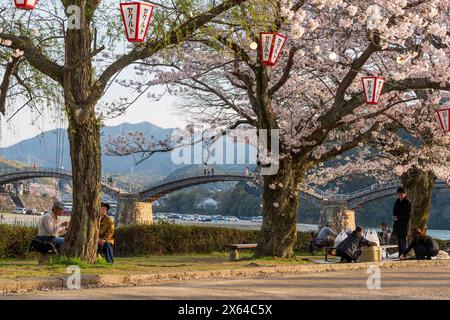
(188, 217)
(246, 218)
(257, 219)
(19, 210)
(30, 212)
(204, 218)
(219, 218)
(40, 213)
(174, 216)
(231, 218)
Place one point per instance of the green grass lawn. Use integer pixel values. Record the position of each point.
(10, 269)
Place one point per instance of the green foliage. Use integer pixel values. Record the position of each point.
(185, 201)
(157, 239)
(166, 238)
(71, 261)
(15, 241)
(248, 205)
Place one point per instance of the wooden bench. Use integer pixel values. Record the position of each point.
(234, 249)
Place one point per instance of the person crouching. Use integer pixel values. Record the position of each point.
(106, 234)
(350, 248)
(424, 246)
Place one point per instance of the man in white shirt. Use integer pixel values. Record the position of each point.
(326, 236)
(50, 227)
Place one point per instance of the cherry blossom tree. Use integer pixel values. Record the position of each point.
(313, 95)
(77, 48)
(413, 148)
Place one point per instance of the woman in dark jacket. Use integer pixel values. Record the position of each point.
(350, 249)
(424, 246)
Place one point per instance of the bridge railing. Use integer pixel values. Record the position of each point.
(197, 173)
(4, 171)
(200, 172)
(116, 186)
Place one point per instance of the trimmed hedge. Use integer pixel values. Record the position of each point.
(157, 239)
(15, 241)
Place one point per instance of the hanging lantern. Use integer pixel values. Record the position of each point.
(25, 4)
(271, 46)
(443, 116)
(372, 89)
(136, 18)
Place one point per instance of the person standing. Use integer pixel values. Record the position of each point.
(401, 216)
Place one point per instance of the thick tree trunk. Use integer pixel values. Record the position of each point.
(84, 137)
(82, 236)
(280, 203)
(419, 185)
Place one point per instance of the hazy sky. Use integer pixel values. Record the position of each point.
(162, 113)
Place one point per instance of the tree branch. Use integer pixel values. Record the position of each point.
(35, 56)
(175, 36)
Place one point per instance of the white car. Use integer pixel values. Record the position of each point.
(19, 210)
(188, 217)
(231, 218)
(257, 219)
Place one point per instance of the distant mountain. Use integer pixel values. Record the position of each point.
(42, 151)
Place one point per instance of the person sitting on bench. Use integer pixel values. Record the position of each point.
(424, 246)
(350, 248)
(106, 234)
(50, 227)
(326, 236)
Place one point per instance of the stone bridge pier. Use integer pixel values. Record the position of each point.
(130, 210)
(338, 215)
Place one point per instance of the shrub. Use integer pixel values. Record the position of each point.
(15, 241)
(166, 238)
(157, 239)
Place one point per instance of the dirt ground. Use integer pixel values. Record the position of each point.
(412, 283)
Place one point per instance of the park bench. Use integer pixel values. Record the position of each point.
(234, 249)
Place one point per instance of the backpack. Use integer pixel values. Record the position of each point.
(42, 246)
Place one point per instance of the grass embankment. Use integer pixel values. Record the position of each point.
(10, 269)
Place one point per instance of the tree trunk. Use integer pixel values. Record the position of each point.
(280, 202)
(84, 137)
(82, 236)
(419, 185)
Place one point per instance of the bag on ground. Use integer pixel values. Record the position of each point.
(372, 236)
(341, 237)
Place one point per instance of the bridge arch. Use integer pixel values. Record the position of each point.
(164, 187)
(14, 175)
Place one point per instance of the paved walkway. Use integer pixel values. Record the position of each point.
(412, 283)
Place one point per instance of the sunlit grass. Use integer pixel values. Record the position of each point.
(10, 268)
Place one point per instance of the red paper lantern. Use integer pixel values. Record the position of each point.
(136, 18)
(271, 46)
(372, 89)
(25, 4)
(443, 116)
